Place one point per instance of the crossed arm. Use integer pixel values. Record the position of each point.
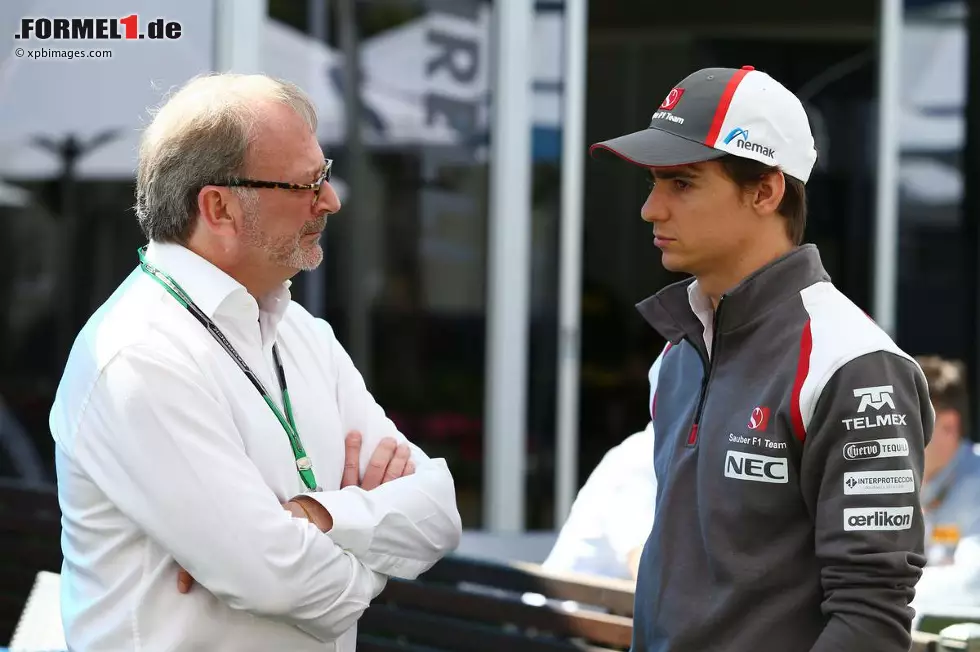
(165, 459)
(390, 461)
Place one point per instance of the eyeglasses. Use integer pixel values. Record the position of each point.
(324, 177)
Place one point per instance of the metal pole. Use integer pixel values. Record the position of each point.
(971, 204)
(314, 299)
(576, 21)
(886, 212)
(238, 35)
(509, 269)
(357, 266)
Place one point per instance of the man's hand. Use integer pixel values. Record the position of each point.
(390, 461)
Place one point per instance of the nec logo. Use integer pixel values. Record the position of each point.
(756, 468)
(741, 138)
(876, 397)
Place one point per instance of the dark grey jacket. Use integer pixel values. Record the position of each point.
(789, 463)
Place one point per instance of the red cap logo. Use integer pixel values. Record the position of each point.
(673, 97)
(759, 419)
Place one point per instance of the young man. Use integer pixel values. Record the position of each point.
(790, 428)
(179, 441)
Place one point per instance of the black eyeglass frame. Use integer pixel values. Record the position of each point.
(317, 185)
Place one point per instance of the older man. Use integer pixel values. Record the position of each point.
(199, 401)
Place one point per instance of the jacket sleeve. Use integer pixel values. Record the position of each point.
(861, 471)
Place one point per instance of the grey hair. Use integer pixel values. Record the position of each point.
(201, 135)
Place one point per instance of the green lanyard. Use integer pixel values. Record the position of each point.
(303, 463)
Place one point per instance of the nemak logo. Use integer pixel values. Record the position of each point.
(878, 518)
(741, 138)
(756, 468)
(78, 29)
(868, 450)
(861, 483)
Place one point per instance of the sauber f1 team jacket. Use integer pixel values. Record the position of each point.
(789, 461)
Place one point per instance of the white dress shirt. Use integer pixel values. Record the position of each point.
(166, 454)
(612, 513)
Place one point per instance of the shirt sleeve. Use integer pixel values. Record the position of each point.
(861, 472)
(612, 514)
(629, 518)
(404, 526)
(165, 450)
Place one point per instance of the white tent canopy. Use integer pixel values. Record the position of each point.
(87, 98)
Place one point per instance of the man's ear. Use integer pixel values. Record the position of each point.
(217, 208)
(768, 194)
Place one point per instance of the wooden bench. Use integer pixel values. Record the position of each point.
(477, 606)
(460, 604)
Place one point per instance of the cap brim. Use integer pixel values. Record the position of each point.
(656, 148)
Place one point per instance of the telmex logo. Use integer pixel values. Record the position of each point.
(741, 138)
(878, 518)
(756, 468)
(876, 397)
(866, 450)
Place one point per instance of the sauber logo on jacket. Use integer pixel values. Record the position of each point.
(866, 450)
(756, 468)
(878, 518)
(759, 419)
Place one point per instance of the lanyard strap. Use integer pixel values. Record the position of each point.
(303, 463)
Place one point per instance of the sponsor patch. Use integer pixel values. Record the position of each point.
(756, 468)
(874, 448)
(861, 483)
(878, 518)
(875, 397)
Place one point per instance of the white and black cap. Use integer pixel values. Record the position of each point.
(718, 111)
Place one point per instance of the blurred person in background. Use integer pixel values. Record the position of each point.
(210, 498)
(612, 514)
(951, 480)
(777, 402)
(950, 495)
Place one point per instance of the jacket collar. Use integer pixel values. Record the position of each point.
(669, 311)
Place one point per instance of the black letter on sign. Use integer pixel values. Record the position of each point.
(461, 115)
(463, 71)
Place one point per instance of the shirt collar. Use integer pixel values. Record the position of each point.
(214, 291)
(700, 303)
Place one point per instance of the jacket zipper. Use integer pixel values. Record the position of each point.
(692, 438)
